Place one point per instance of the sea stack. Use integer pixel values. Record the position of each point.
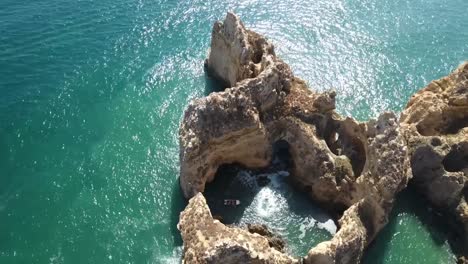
(352, 168)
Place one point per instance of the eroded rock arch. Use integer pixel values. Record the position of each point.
(356, 167)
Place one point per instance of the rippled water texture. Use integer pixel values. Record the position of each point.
(91, 95)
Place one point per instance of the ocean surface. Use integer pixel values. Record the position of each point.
(92, 94)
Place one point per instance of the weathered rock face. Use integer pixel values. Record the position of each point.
(435, 123)
(226, 127)
(355, 168)
(206, 240)
(384, 174)
(237, 53)
(273, 240)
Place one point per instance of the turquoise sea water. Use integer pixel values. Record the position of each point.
(92, 92)
(275, 203)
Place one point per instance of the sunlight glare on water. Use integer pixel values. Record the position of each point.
(92, 94)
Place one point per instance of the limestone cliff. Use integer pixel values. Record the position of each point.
(435, 123)
(355, 168)
(237, 53)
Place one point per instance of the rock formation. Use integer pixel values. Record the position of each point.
(206, 240)
(354, 168)
(236, 52)
(435, 125)
(273, 240)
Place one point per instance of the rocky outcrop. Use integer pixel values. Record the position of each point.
(273, 240)
(351, 167)
(237, 53)
(206, 240)
(435, 123)
(384, 174)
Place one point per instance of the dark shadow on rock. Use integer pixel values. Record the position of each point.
(408, 202)
(442, 225)
(375, 252)
(213, 84)
(457, 159)
(178, 204)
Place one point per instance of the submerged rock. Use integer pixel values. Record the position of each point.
(348, 166)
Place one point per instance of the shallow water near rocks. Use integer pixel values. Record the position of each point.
(414, 228)
(417, 232)
(286, 212)
(92, 93)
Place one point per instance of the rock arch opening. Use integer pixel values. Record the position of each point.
(343, 140)
(267, 198)
(357, 166)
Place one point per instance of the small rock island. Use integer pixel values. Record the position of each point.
(354, 169)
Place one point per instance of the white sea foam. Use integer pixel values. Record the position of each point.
(175, 258)
(328, 225)
(308, 223)
(267, 203)
(277, 181)
(270, 206)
